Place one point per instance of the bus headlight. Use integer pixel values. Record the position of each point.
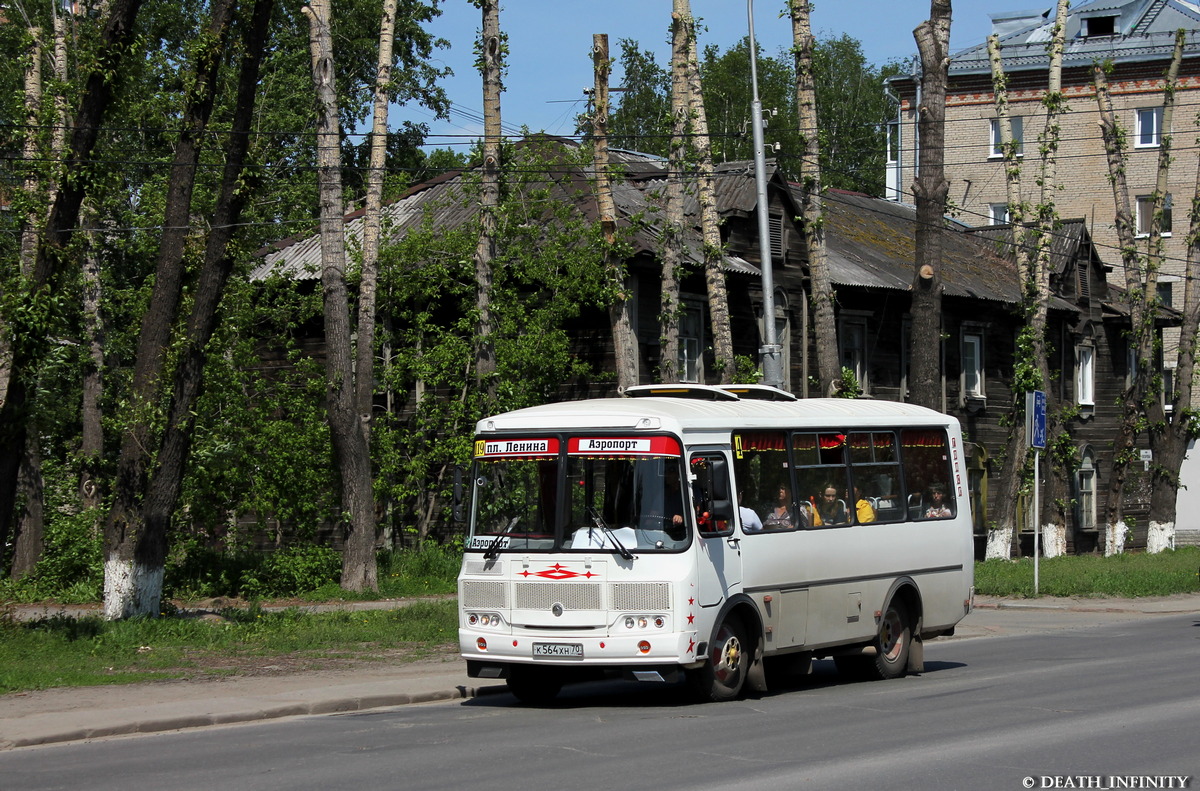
(485, 619)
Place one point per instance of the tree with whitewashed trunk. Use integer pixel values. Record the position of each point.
(1142, 401)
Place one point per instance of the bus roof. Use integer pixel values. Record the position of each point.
(650, 413)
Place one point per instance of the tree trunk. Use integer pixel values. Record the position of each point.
(164, 486)
(1039, 300)
(372, 220)
(812, 222)
(672, 252)
(135, 548)
(930, 190)
(91, 446)
(710, 221)
(491, 65)
(94, 103)
(1141, 400)
(349, 448)
(31, 524)
(1167, 445)
(1171, 447)
(624, 337)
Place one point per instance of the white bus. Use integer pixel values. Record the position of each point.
(695, 533)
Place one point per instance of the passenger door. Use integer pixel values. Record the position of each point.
(720, 558)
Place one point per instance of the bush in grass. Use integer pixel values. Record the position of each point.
(292, 571)
(70, 570)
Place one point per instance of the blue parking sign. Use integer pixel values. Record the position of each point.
(1035, 419)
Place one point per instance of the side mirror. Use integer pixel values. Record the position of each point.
(460, 510)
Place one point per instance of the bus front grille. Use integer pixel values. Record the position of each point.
(479, 594)
(543, 596)
(643, 596)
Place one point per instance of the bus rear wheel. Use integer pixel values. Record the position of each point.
(724, 674)
(534, 685)
(891, 646)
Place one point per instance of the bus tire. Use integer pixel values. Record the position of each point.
(892, 643)
(533, 685)
(723, 675)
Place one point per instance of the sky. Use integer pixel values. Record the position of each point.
(549, 62)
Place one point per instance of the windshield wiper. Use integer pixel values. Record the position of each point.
(599, 521)
(493, 550)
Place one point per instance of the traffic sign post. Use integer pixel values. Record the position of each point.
(1035, 430)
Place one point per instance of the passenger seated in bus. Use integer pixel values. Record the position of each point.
(780, 517)
(939, 505)
(830, 510)
(674, 497)
(750, 521)
(863, 512)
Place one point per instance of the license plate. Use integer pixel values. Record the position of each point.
(574, 650)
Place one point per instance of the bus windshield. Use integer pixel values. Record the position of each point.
(617, 494)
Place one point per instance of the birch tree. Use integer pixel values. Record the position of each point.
(672, 235)
(710, 221)
(350, 449)
(624, 338)
(812, 220)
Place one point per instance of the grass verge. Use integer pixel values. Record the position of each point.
(1125, 576)
(63, 651)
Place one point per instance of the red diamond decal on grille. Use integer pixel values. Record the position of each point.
(558, 572)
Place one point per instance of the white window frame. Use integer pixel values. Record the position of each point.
(998, 213)
(1085, 490)
(1018, 133)
(1144, 213)
(691, 345)
(972, 364)
(1147, 124)
(1085, 375)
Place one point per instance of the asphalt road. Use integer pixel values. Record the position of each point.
(1106, 700)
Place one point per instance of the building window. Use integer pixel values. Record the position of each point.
(1168, 389)
(972, 365)
(1018, 129)
(998, 213)
(1099, 26)
(691, 342)
(853, 342)
(1085, 375)
(1145, 214)
(1085, 490)
(1165, 292)
(1148, 122)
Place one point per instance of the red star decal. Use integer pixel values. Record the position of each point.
(691, 618)
(691, 646)
(691, 601)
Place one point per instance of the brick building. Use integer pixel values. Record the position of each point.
(1137, 38)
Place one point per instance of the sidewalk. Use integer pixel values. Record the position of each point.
(79, 713)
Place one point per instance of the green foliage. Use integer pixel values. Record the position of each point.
(848, 385)
(293, 570)
(851, 106)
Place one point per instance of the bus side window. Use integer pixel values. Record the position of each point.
(711, 494)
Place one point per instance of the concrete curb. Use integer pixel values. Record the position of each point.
(49, 729)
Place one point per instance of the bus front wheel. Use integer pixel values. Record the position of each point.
(891, 646)
(724, 674)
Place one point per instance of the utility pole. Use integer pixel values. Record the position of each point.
(770, 352)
